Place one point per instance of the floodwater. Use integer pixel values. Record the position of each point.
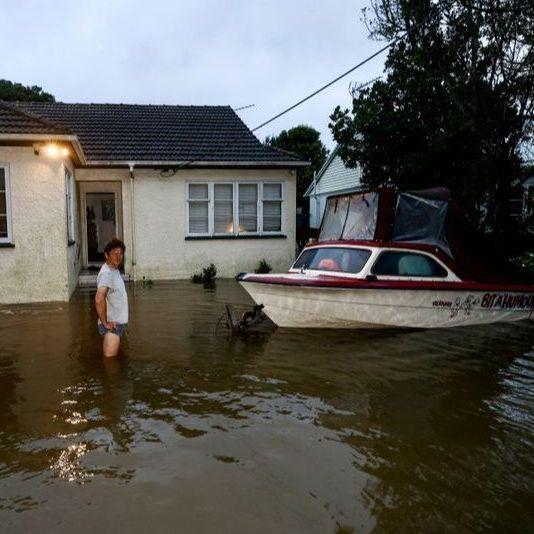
(190, 430)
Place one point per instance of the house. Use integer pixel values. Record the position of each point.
(522, 199)
(183, 186)
(334, 178)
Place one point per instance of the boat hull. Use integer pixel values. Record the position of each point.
(303, 306)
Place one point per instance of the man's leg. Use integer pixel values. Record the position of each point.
(111, 344)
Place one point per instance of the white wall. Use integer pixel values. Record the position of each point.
(36, 268)
(161, 250)
(317, 206)
(74, 259)
(337, 177)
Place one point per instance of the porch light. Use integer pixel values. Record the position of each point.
(55, 151)
(52, 150)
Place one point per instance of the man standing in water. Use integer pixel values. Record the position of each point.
(111, 299)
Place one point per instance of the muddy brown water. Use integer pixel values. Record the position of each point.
(275, 431)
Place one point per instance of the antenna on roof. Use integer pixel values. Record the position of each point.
(244, 107)
(354, 88)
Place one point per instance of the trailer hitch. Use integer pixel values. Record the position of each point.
(248, 319)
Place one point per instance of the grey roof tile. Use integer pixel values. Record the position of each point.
(128, 132)
(17, 121)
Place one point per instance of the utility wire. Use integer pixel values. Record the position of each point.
(360, 64)
(311, 95)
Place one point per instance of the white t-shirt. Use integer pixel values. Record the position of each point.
(116, 298)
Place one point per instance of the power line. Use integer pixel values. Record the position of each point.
(360, 64)
(311, 95)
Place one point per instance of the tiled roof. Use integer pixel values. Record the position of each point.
(134, 133)
(15, 121)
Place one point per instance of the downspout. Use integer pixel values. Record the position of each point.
(132, 219)
(316, 210)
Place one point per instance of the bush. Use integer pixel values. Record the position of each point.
(263, 267)
(526, 262)
(207, 276)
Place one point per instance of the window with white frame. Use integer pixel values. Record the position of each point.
(198, 208)
(272, 207)
(69, 196)
(248, 208)
(5, 207)
(223, 208)
(234, 208)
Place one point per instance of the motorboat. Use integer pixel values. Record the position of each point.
(386, 259)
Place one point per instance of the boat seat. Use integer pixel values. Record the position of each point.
(328, 264)
(415, 265)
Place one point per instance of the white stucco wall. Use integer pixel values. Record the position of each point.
(36, 268)
(74, 261)
(161, 250)
(43, 267)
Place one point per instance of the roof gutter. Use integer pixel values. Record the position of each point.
(188, 164)
(44, 138)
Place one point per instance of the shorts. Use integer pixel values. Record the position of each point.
(119, 330)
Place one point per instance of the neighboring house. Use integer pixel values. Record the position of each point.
(334, 178)
(183, 186)
(522, 201)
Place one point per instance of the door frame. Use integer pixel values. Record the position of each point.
(114, 187)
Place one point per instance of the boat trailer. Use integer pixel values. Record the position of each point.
(249, 318)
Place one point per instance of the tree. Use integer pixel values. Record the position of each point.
(455, 104)
(10, 91)
(304, 141)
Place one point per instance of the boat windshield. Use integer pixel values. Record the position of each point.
(338, 259)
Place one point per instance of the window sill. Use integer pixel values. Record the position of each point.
(7, 245)
(214, 237)
(70, 243)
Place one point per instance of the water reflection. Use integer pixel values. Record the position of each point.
(428, 430)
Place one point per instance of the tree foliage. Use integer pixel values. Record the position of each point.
(454, 105)
(304, 141)
(10, 91)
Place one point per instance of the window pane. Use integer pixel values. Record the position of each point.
(407, 264)
(2, 179)
(248, 207)
(223, 191)
(361, 217)
(198, 217)
(272, 216)
(334, 218)
(3, 226)
(3, 207)
(198, 191)
(346, 260)
(272, 191)
(224, 208)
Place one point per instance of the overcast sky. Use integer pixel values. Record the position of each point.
(266, 53)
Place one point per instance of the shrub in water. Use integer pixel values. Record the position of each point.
(207, 276)
(263, 267)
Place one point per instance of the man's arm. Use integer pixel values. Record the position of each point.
(101, 308)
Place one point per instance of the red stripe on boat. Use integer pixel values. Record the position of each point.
(358, 283)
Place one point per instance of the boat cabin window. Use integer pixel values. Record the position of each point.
(407, 264)
(339, 259)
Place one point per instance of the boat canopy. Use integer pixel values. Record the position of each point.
(427, 217)
(384, 215)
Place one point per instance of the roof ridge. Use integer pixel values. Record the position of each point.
(33, 117)
(158, 132)
(288, 152)
(275, 149)
(123, 104)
